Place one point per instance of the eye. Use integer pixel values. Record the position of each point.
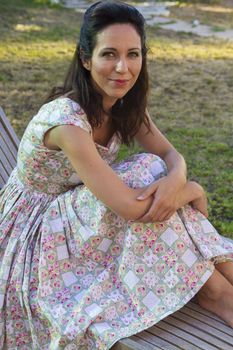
(134, 54)
(108, 54)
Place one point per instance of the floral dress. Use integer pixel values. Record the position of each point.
(75, 275)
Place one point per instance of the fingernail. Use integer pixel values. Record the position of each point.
(140, 197)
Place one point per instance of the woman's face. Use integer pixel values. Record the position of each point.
(116, 61)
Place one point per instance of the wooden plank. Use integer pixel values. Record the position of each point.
(179, 337)
(7, 162)
(133, 343)
(159, 338)
(7, 126)
(145, 343)
(181, 330)
(191, 333)
(4, 146)
(8, 148)
(2, 182)
(204, 332)
(205, 319)
(4, 172)
(195, 306)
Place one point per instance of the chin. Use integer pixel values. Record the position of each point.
(119, 95)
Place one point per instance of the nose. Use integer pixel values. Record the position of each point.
(122, 66)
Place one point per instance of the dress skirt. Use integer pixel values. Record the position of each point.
(75, 275)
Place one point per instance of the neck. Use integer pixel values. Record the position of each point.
(107, 104)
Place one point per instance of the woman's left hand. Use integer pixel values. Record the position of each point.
(165, 192)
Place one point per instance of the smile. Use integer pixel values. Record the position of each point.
(120, 81)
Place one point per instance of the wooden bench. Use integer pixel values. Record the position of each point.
(9, 143)
(190, 328)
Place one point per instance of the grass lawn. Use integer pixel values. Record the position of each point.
(191, 89)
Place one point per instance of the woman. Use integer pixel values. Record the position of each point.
(91, 250)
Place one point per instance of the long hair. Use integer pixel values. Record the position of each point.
(127, 114)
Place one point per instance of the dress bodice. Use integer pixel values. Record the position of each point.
(50, 171)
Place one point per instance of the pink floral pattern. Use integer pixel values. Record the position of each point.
(73, 274)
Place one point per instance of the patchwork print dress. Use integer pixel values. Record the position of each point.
(73, 274)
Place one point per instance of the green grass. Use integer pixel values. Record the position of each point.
(191, 89)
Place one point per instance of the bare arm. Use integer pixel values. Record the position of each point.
(172, 191)
(79, 147)
(155, 142)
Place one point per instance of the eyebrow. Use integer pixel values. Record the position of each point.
(112, 48)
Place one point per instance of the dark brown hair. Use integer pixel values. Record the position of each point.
(128, 113)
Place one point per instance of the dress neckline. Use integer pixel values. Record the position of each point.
(112, 138)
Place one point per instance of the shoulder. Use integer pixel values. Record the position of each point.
(63, 110)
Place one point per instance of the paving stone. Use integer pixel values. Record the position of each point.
(156, 13)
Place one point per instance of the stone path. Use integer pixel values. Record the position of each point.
(157, 13)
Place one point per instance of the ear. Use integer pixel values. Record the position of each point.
(87, 64)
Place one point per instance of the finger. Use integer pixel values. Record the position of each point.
(147, 218)
(143, 219)
(167, 216)
(159, 212)
(204, 212)
(152, 212)
(164, 216)
(152, 215)
(148, 191)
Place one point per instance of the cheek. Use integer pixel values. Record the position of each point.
(136, 68)
(136, 72)
(101, 70)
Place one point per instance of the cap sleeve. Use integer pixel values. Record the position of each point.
(62, 111)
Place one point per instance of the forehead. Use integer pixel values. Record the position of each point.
(118, 35)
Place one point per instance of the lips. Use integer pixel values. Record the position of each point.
(121, 81)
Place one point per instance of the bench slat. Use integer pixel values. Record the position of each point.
(205, 332)
(210, 315)
(3, 171)
(207, 320)
(6, 159)
(8, 148)
(161, 339)
(133, 343)
(177, 337)
(145, 344)
(179, 329)
(10, 131)
(2, 181)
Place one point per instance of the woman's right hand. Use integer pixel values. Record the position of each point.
(192, 194)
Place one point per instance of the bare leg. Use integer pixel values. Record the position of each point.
(226, 269)
(217, 296)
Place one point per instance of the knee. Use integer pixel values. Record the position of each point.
(155, 165)
(158, 168)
